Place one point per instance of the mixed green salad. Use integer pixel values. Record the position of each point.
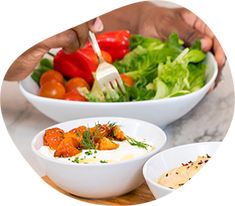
(158, 69)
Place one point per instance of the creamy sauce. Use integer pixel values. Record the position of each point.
(125, 151)
(180, 175)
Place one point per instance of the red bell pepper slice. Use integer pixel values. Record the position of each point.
(84, 62)
(74, 65)
(116, 43)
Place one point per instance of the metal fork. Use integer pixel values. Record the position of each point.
(107, 75)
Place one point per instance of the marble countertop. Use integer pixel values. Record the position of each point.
(208, 121)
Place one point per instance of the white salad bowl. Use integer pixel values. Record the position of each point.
(172, 158)
(160, 112)
(99, 180)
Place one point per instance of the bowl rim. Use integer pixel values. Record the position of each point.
(148, 162)
(147, 155)
(61, 101)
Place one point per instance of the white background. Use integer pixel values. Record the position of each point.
(23, 23)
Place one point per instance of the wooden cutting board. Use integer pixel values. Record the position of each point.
(137, 196)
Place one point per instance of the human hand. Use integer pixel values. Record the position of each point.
(70, 40)
(160, 22)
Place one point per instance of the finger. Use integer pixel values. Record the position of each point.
(194, 21)
(25, 63)
(218, 79)
(203, 28)
(82, 34)
(190, 35)
(74, 38)
(219, 54)
(220, 59)
(67, 40)
(70, 40)
(196, 24)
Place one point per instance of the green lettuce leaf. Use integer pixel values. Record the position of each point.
(44, 65)
(197, 77)
(160, 69)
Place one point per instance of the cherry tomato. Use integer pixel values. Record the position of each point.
(127, 80)
(74, 96)
(52, 89)
(51, 75)
(75, 83)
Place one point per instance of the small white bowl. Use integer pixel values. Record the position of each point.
(101, 180)
(160, 112)
(171, 158)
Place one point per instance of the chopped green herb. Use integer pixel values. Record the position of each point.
(76, 160)
(103, 161)
(136, 143)
(89, 152)
(88, 140)
(94, 157)
(95, 151)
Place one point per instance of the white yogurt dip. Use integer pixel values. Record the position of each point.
(125, 151)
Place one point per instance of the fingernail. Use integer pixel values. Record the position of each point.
(97, 25)
(205, 44)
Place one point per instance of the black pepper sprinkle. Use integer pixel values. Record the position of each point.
(188, 167)
(199, 163)
(177, 173)
(208, 156)
(166, 174)
(185, 164)
(206, 161)
(181, 184)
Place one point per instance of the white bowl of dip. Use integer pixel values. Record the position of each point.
(99, 180)
(164, 162)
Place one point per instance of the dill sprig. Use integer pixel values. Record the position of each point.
(97, 129)
(136, 143)
(111, 124)
(88, 140)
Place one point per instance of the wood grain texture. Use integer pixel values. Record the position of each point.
(137, 196)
